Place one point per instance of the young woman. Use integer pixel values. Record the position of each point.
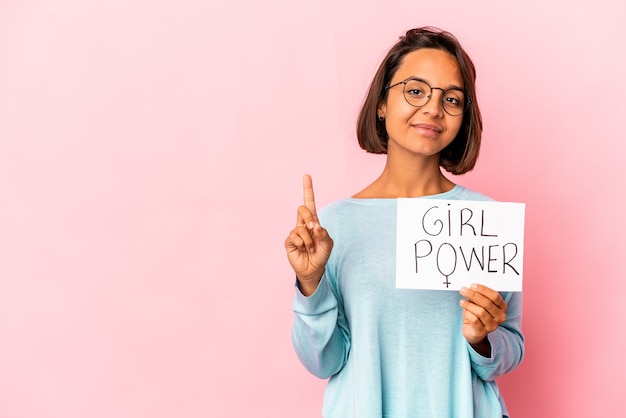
(396, 352)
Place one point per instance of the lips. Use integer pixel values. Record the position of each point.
(427, 129)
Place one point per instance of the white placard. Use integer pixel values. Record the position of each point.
(448, 244)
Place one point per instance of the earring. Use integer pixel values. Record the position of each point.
(381, 118)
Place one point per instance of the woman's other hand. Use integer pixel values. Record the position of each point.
(483, 312)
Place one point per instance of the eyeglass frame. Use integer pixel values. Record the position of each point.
(443, 94)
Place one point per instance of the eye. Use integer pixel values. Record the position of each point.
(416, 89)
(415, 92)
(454, 99)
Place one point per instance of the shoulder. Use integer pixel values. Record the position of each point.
(335, 208)
(348, 212)
(337, 211)
(463, 193)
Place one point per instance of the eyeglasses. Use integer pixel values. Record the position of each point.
(417, 93)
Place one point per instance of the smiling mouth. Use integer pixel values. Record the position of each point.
(427, 129)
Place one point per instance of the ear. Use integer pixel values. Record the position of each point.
(381, 112)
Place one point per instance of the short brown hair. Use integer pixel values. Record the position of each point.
(460, 156)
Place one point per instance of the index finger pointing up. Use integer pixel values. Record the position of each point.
(309, 198)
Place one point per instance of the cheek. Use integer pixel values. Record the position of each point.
(396, 125)
(454, 127)
(398, 114)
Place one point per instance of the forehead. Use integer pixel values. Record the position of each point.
(433, 65)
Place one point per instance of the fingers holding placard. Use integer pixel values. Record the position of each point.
(483, 312)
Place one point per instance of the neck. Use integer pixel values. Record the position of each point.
(421, 177)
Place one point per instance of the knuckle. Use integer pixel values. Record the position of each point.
(291, 238)
(303, 211)
(475, 320)
(303, 232)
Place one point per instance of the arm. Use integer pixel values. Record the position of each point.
(320, 332)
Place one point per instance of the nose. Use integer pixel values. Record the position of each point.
(434, 106)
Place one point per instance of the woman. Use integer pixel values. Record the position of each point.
(396, 352)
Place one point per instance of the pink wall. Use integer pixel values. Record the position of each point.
(150, 162)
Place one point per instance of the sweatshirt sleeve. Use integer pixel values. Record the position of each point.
(507, 343)
(320, 332)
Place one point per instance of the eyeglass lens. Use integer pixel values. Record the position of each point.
(418, 93)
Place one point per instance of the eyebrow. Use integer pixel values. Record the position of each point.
(450, 87)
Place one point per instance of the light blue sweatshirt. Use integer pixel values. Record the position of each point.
(395, 352)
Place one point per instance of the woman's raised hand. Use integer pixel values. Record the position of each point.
(308, 244)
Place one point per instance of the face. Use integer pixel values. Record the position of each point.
(422, 131)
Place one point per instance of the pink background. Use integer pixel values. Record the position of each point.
(151, 155)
